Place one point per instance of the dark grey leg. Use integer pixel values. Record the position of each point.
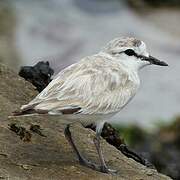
(82, 160)
(104, 167)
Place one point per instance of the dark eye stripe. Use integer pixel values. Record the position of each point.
(130, 52)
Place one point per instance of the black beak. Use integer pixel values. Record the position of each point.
(153, 60)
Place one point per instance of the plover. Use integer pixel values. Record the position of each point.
(94, 89)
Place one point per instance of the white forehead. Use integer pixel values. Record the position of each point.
(143, 49)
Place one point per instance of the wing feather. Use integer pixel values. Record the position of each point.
(94, 85)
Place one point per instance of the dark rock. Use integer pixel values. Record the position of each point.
(39, 75)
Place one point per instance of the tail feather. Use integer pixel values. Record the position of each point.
(21, 113)
(27, 112)
(24, 111)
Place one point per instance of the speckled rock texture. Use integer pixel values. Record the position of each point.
(47, 155)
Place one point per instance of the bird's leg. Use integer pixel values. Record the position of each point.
(82, 160)
(104, 167)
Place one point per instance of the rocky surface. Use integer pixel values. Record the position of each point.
(47, 155)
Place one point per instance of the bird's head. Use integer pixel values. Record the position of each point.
(131, 52)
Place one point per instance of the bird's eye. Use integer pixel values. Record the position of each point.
(130, 52)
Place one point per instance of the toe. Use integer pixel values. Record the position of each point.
(109, 171)
(112, 171)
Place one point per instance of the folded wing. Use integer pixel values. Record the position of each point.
(94, 85)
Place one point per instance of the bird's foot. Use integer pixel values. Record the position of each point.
(89, 164)
(103, 169)
(82, 160)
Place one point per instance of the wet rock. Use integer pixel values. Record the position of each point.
(39, 75)
(52, 157)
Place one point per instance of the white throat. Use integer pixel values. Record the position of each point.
(130, 64)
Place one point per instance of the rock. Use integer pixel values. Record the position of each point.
(50, 156)
(39, 75)
(14, 91)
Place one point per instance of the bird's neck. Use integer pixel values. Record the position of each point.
(129, 66)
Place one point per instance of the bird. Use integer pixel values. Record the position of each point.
(94, 89)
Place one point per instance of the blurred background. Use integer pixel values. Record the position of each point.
(63, 31)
